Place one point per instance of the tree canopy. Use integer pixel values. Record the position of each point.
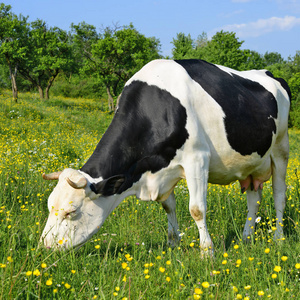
(104, 60)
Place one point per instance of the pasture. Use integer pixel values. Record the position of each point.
(129, 257)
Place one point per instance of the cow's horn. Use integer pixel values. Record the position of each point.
(51, 176)
(77, 185)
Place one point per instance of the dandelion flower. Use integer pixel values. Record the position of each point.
(267, 250)
(28, 273)
(236, 247)
(239, 296)
(198, 291)
(297, 266)
(73, 271)
(49, 282)
(247, 287)
(146, 271)
(43, 265)
(168, 262)
(36, 272)
(67, 286)
(225, 255)
(205, 284)
(162, 270)
(224, 262)
(260, 293)
(147, 276)
(192, 245)
(284, 258)
(168, 279)
(97, 246)
(124, 265)
(277, 269)
(274, 276)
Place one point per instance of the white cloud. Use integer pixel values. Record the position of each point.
(263, 26)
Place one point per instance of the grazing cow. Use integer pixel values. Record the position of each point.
(179, 119)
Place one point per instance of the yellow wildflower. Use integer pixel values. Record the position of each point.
(198, 291)
(277, 269)
(36, 272)
(49, 282)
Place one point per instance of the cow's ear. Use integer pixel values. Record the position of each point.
(108, 187)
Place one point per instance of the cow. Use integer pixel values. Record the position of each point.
(179, 119)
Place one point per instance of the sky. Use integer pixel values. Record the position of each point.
(263, 25)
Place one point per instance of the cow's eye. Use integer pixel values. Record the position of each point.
(70, 214)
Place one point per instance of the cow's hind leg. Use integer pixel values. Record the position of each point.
(197, 178)
(253, 201)
(279, 157)
(169, 206)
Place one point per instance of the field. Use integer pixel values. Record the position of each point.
(129, 257)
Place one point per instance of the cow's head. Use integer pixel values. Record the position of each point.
(78, 208)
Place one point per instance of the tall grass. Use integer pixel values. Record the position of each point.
(129, 257)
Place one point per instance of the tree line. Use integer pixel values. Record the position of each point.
(85, 61)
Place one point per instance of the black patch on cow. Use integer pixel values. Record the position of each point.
(147, 130)
(249, 108)
(282, 82)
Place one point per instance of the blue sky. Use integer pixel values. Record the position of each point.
(264, 25)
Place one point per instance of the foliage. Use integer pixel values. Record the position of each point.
(50, 54)
(13, 42)
(223, 49)
(114, 56)
(129, 256)
(183, 46)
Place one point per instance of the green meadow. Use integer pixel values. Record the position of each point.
(129, 257)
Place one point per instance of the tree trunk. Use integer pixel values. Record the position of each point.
(13, 76)
(50, 82)
(111, 105)
(14, 87)
(41, 92)
(118, 100)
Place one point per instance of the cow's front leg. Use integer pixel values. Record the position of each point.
(169, 206)
(197, 180)
(253, 201)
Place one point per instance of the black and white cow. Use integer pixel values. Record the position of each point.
(179, 119)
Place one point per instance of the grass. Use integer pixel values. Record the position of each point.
(129, 257)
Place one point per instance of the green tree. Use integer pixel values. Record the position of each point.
(272, 58)
(183, 46)
(115, 55)
(14, 32)
(224, 49)
(50, 53)
(253, 60)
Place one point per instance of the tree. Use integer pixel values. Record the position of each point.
(50, 54)
(224, 49)
(14, 46)
(115, 55)
(272, 58)
(254, 60)
(183, 46)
